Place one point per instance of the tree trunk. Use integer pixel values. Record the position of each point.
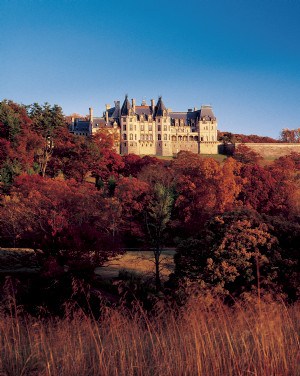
(157, 271)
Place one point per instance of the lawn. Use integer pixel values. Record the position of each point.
(139, 262)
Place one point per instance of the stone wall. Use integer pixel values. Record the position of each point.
(271, 150)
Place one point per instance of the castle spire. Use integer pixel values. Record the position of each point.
(126, 107)
(160, 107)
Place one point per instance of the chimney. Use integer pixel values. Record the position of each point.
(107, 107)
(91, 110)
(152, 105)
(133, 104)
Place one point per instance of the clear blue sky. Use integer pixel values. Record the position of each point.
(240, 56)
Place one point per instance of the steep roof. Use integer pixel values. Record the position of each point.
(207, 113)
(126, 107)
(115, 114)
(146, 110)
(160, 107)
(81, 126)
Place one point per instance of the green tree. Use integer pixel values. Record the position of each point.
(10, 126)
(47, 122)
(158, 216)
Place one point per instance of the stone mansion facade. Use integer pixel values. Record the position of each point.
(154, 129)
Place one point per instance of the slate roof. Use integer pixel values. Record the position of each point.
(98, 122)
(115, 112)
(207, 113)
(160, 107)
(82, 126)
(146, 110)
(126, 107)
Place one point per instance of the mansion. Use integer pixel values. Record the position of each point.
(153, 129)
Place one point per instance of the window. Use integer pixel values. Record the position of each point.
(142, 127)
(135, 136)
(131, 136)
(159, 128)
(131, 127)
(124, 127)
(150, 127)
(142, 137)
(201, 138)
(165, 128)
(159, 137)
(165, 137)
(124, 137)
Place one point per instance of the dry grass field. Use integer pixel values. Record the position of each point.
(201, 340)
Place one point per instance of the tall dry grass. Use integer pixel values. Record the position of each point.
(202, 340)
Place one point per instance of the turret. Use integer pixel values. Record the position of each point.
(133, 104)
(153, 105)
(107, 107)
(91, 111)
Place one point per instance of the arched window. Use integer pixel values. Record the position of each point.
(131, 136)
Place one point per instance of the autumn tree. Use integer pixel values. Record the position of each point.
(70, 221)
(270, 189)
(133, 195)
(234, 254)
(204, 187)
(244, 154)
(290, 135)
